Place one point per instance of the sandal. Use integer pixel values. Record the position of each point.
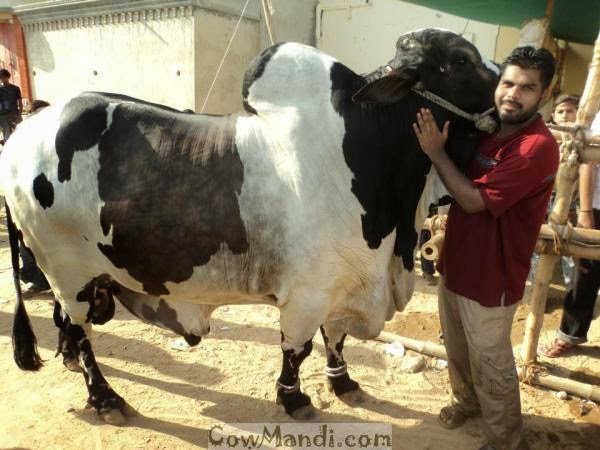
(557, 348)
(451, 417)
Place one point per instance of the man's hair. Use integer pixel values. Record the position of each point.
(529, 58)
(4, 73)
(566, 98)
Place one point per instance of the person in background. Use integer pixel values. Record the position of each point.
(11, 105)
(579, 304)
(493, 225)
(564, 109)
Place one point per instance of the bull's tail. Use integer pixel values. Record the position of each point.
(23, 339)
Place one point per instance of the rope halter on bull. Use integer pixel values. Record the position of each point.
(483, 121)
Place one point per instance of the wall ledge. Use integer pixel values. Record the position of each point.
(64, 14)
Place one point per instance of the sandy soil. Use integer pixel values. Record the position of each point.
(230, 377)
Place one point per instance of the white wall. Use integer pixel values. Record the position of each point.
(164, 51)
(363, 33)
(152, 59)
(292, 21)
(212, 34)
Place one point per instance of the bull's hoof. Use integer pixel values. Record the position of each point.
(118, 416)
(113, 417)
(72, 364)
(292, 401)
(342, 384)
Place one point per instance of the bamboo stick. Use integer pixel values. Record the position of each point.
(574, 246)
(583, 390)
(575, 235)
(431, 249)
(546, 247)
(425, 347)
(577, 388)
(590, 100)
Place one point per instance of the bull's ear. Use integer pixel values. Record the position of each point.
(388, 89)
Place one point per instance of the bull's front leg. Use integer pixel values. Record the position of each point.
(288, 385)
(336, 370)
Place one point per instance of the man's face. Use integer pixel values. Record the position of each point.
(518, 94)
(4, 81)
(565, 112)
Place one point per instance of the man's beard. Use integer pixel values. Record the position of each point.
(519, 116)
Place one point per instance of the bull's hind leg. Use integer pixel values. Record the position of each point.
(66, 347)
(110, 406)
(336, 370)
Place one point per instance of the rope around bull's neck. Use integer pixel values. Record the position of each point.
(482, 121)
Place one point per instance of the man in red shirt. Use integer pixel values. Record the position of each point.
(492, 228)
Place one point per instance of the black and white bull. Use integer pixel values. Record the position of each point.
(309, 202)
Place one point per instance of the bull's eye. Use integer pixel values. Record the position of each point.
(408, 43)
(461, 61)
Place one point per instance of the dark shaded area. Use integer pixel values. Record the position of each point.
(82, 121)
(169, 182)
(43, 191)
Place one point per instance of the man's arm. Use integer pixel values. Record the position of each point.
(432, 143)
(586, 195)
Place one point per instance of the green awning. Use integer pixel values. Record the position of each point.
(572, 20)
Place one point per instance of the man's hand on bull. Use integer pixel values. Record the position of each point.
(431, 139)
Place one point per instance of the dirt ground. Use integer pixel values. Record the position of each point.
(230, 377)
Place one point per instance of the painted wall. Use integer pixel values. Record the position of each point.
(212, 34)
(363, 33)
(577, 62)
(292, 21)
(150, 58)
(167, 52)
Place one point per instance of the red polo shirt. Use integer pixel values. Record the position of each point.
(486, 255)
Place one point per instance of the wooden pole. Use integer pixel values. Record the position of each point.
(546, 247)
(571, 234)
(553, 382)
(567, 174)
(431, 249)
(577, 242)
(425, 347)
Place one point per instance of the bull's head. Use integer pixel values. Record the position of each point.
(439, 61)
